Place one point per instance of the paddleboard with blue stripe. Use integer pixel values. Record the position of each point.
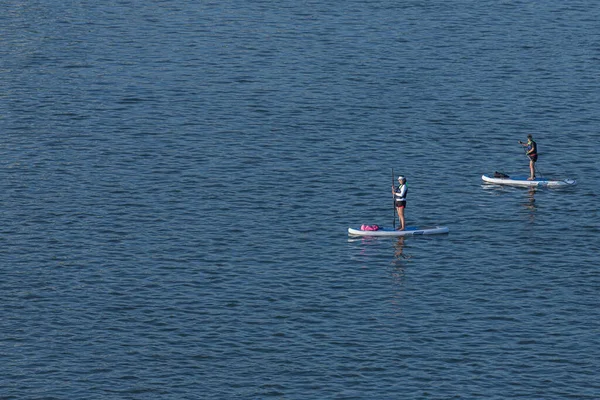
(411, 230)
(523, 181)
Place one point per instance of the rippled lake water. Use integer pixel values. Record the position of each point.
(178, 179)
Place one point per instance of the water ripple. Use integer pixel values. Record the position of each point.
(178, 180)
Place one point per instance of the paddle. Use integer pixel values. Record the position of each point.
(394, 199)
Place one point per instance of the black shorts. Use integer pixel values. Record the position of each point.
(533, 157)
(400, 204)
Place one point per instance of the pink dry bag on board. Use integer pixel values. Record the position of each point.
(369, 227)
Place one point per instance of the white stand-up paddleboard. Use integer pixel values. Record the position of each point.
(411, 230)
(522, 181)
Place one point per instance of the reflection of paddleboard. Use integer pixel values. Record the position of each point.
(522, 181)
(411, 230)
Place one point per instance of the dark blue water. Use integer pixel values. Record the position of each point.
(178, 178)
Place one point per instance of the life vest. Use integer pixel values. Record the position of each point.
(531, 147)
(400, 193)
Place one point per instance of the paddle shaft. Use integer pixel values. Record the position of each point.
(394, 200)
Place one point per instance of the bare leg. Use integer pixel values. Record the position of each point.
(531, 170)
(401, 216)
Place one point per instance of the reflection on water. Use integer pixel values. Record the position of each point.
(397, 274)
(530, 204)
(399, 260)
(369, 242)
(399, 249)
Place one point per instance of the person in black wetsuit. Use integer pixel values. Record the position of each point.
(532, 154)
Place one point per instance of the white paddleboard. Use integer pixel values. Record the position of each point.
(522, 181)
(411, 230)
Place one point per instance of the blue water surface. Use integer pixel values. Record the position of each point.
(178, 179)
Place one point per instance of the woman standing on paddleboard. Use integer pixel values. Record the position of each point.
(400, 193)
(532, 154)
